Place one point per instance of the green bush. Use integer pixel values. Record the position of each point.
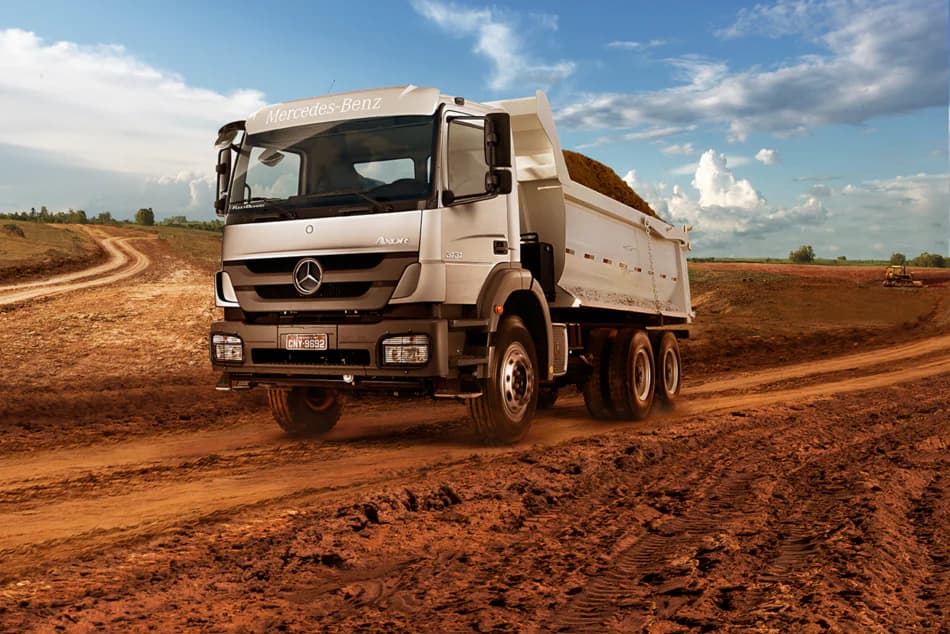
(13, 229)
(145, 217)
(930, 260)
(802, 255)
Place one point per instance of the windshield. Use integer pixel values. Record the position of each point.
(383, 163)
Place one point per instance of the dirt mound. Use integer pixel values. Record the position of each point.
(599, 177)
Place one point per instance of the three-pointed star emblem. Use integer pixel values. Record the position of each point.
(308, 276)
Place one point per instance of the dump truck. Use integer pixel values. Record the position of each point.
(403, 241)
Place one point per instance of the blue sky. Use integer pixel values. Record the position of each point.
(764, 126)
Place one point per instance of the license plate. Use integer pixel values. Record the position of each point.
(306, 342)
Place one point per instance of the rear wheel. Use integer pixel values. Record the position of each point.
(631, 375)
(305, 411)
(594, 389)
(639, 378)
(616, 383)
(503, 413)
(669, 370)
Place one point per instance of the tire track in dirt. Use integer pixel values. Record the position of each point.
(837, 364)
(628, 584)
(213, 487)
(658, 575)
(117, 267)
(824, 517)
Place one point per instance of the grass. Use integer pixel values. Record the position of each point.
(196, 245)
(30, 247)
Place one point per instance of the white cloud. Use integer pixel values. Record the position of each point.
(769, 157)
(654, 133)
(718, 186)
(785, 17)
(678, 148)
(728, 212)
(918, 194)
(41, 178)
(733, 160)
(101, 107)
(685, 170)
(631, 45)
(499, 42)
(649, 192)
(730, 215)
(882, 58)
(912, 211)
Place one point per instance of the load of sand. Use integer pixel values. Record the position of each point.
(601, 178)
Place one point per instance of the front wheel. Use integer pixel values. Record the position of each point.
(503, 413)
(305, 411)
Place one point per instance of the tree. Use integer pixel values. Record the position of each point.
(104, 218)
(802, 255)
(930, 260)
(145, 217)
(898, 258)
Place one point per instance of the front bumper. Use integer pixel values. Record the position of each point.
(353, 358)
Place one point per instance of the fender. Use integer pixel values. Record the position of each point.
(503, 282)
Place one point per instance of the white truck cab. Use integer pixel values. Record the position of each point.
(405, 241)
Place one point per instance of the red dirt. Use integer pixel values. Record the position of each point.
(861, 273)
(778, 497)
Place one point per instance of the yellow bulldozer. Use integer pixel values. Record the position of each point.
(897, 275)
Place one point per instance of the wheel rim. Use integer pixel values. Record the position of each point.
(517, 381)
(642, 375)
(671, 371)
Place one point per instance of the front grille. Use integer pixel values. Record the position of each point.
(310, 357)
(328, 290)
(351, 282)
(343, 262)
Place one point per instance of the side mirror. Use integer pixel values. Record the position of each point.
(223, 171)
(227, 133)
(498, 140)
(498, 182)
(498, 152)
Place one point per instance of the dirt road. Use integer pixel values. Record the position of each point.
(806, 497)
(141, 484)
(123, 261)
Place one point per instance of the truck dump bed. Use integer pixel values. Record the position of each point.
(606, 254)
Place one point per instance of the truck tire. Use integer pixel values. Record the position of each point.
(596, 397)
(669, 370)
(616, 381)
(503, 413)
(631, 375)
(641, 376)
(305, 411)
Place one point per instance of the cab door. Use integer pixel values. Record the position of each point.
(475, 223)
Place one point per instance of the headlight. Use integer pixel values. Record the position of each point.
(227, 348)
(406, 350)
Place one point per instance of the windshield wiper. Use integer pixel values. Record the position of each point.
(377, 206)
(268, 203)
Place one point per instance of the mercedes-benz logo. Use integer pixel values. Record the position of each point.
(308, 276)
